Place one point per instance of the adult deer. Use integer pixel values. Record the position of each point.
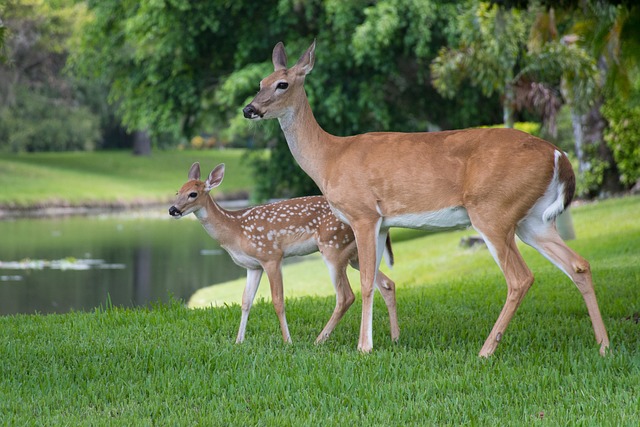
(259, 237)
(500, 181)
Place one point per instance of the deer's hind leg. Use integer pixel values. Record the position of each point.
(274, 273)
(500, 239)
(545, 239)
(387, 288)
(344, 294)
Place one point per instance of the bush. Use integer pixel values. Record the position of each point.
(529, 127)
(589, 181)
(623, 137)
(278, 175)
(39, 123)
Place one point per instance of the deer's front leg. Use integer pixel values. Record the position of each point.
(370, 248)
(274, 273)
(249, 294)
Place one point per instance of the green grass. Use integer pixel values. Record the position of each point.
(168, 365)
(87, 178)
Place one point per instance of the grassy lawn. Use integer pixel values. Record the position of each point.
(79, 178)
(169, 365)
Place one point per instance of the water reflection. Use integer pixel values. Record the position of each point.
(79, 263)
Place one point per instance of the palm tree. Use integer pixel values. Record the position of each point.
(489, 55)
(606, 31)
(498, 54)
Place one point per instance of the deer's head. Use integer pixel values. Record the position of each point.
(194, 194)
(279, 91)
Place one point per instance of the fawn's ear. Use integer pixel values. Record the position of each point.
(194, 172)
(279, 57)
(215, 177)
(306, 61)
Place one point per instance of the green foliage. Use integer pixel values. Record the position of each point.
(491, 41)
(279, 174)
(566, 66)
(40, 107)
(162, 57)
(530, 127)
(498, 50)
(623, 137)
(609, 31)
(38, 123)
(395, 26)
(589, 180)
(169, 78)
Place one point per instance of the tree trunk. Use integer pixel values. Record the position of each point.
(578, 138)
(588, 133)
(141, 143)
(508, 106)
(594, 125)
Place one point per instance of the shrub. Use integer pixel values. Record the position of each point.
(623, 137)
(39, 123)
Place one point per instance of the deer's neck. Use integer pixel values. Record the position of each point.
(217, 222)
(310, 145)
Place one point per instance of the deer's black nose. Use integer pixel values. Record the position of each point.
(173, 211)
(249, 111)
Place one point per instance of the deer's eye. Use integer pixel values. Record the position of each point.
(193, 195)
(282, 85)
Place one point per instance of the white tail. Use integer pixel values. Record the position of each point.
(260, 237)
(500, 181)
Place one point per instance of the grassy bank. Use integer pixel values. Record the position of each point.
(101, 178)
(169, 365)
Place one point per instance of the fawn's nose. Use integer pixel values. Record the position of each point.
(173, 211)
(249, 111)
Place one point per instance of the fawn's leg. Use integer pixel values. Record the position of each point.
(274, 273)
(250, 289)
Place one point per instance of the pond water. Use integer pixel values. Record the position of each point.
(80, 263)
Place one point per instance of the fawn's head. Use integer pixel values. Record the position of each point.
(280, 90)
(194, 193)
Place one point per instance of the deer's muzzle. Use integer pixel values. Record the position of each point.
(250, 112)
(175, 212)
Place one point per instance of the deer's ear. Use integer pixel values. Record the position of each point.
(194, 172)
(215, 178)
(279, 57)
(306, 61)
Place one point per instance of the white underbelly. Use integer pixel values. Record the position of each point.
(443, 219)
(242, 259)
(302, 247)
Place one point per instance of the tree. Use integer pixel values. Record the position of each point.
(494, 51)
(610, 33)
(180, 68)
(162, 58)
(39, 105)
(372, 75)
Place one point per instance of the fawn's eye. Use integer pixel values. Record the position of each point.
(282, 85)
(193, 195)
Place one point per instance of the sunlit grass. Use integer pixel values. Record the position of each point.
(112, 176)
